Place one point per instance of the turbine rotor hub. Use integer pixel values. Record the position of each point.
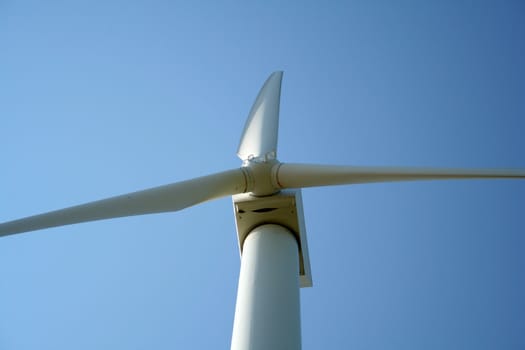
(260, 176)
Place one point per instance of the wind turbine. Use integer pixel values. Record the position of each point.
(269, 218)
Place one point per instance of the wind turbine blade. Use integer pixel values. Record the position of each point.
(165, 198)
(309, 175)
(259, 139)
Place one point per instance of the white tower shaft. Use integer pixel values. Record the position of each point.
(267, 313)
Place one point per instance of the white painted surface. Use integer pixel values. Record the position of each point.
(259, 139)
(267, 314)
(160, 199)
(311, 175)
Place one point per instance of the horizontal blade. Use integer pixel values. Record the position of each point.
(309, 175)
(259, 139)
(165, 198)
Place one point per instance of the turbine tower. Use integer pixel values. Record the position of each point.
(269, 217)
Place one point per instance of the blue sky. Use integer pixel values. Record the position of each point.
(100, 98)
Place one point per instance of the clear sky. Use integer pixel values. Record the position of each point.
(99, 98)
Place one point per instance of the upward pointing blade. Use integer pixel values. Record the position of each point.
(259, 139)
(166, 198)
